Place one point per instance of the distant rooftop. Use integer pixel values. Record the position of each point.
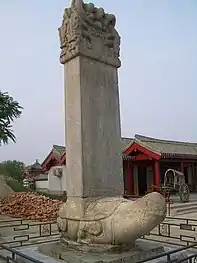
(166, 148)
(58, 149)
(36, 165)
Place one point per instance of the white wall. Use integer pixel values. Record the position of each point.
(57, 184)
(42, 185)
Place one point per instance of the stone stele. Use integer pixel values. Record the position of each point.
(95, 216)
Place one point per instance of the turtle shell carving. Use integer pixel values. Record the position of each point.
(95, 210)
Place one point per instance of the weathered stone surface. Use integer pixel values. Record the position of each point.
(32, 254)
(112, 221)
(142, 250)
(93, 134)
(89, 31)
(95, 215)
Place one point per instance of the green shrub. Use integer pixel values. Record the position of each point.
(15, 185)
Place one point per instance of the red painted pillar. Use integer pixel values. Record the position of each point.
(129, 177)
(157, 175)
(125, 174)
(129, 185)
(126, 163)
(131, 182)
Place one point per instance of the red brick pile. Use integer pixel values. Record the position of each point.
(29, 206)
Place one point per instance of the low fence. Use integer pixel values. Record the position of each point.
(175, 231)
(22, 232)
(172, 256)
(169, 257)
(16, 233)
(15, 256)
(11, 255)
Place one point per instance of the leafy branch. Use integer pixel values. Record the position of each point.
(9, 111)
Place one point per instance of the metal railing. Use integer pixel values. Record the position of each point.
(169, 257)
(16, 256)
(176, 231)
(22, 232)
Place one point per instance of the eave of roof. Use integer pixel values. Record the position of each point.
(178, 155)
(151, 139)
(144, 141)
(59, 149)
(143, 144)
(169, 148)
(48, 158)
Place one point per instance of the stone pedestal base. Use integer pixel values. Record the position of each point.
(142, 250)
(97, 248)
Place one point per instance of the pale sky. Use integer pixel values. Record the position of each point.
(158, 77)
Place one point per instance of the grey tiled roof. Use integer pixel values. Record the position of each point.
(166, 147)
(36, 165)
(59, 149)
(126, 142)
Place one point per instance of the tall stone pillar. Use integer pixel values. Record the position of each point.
(90, 54)
(95, 212)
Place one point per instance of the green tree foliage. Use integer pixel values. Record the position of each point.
(12, 169)
(9, 111)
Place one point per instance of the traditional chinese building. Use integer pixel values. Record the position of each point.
(32, 171)
(31, 174)
(152, 157)
(145, 161)
(53, 158)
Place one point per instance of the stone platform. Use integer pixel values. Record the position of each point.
(145, 249)
(142, 250)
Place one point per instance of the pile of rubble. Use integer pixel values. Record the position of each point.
(29, 206)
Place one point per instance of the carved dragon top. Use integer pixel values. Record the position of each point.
(89, 31)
